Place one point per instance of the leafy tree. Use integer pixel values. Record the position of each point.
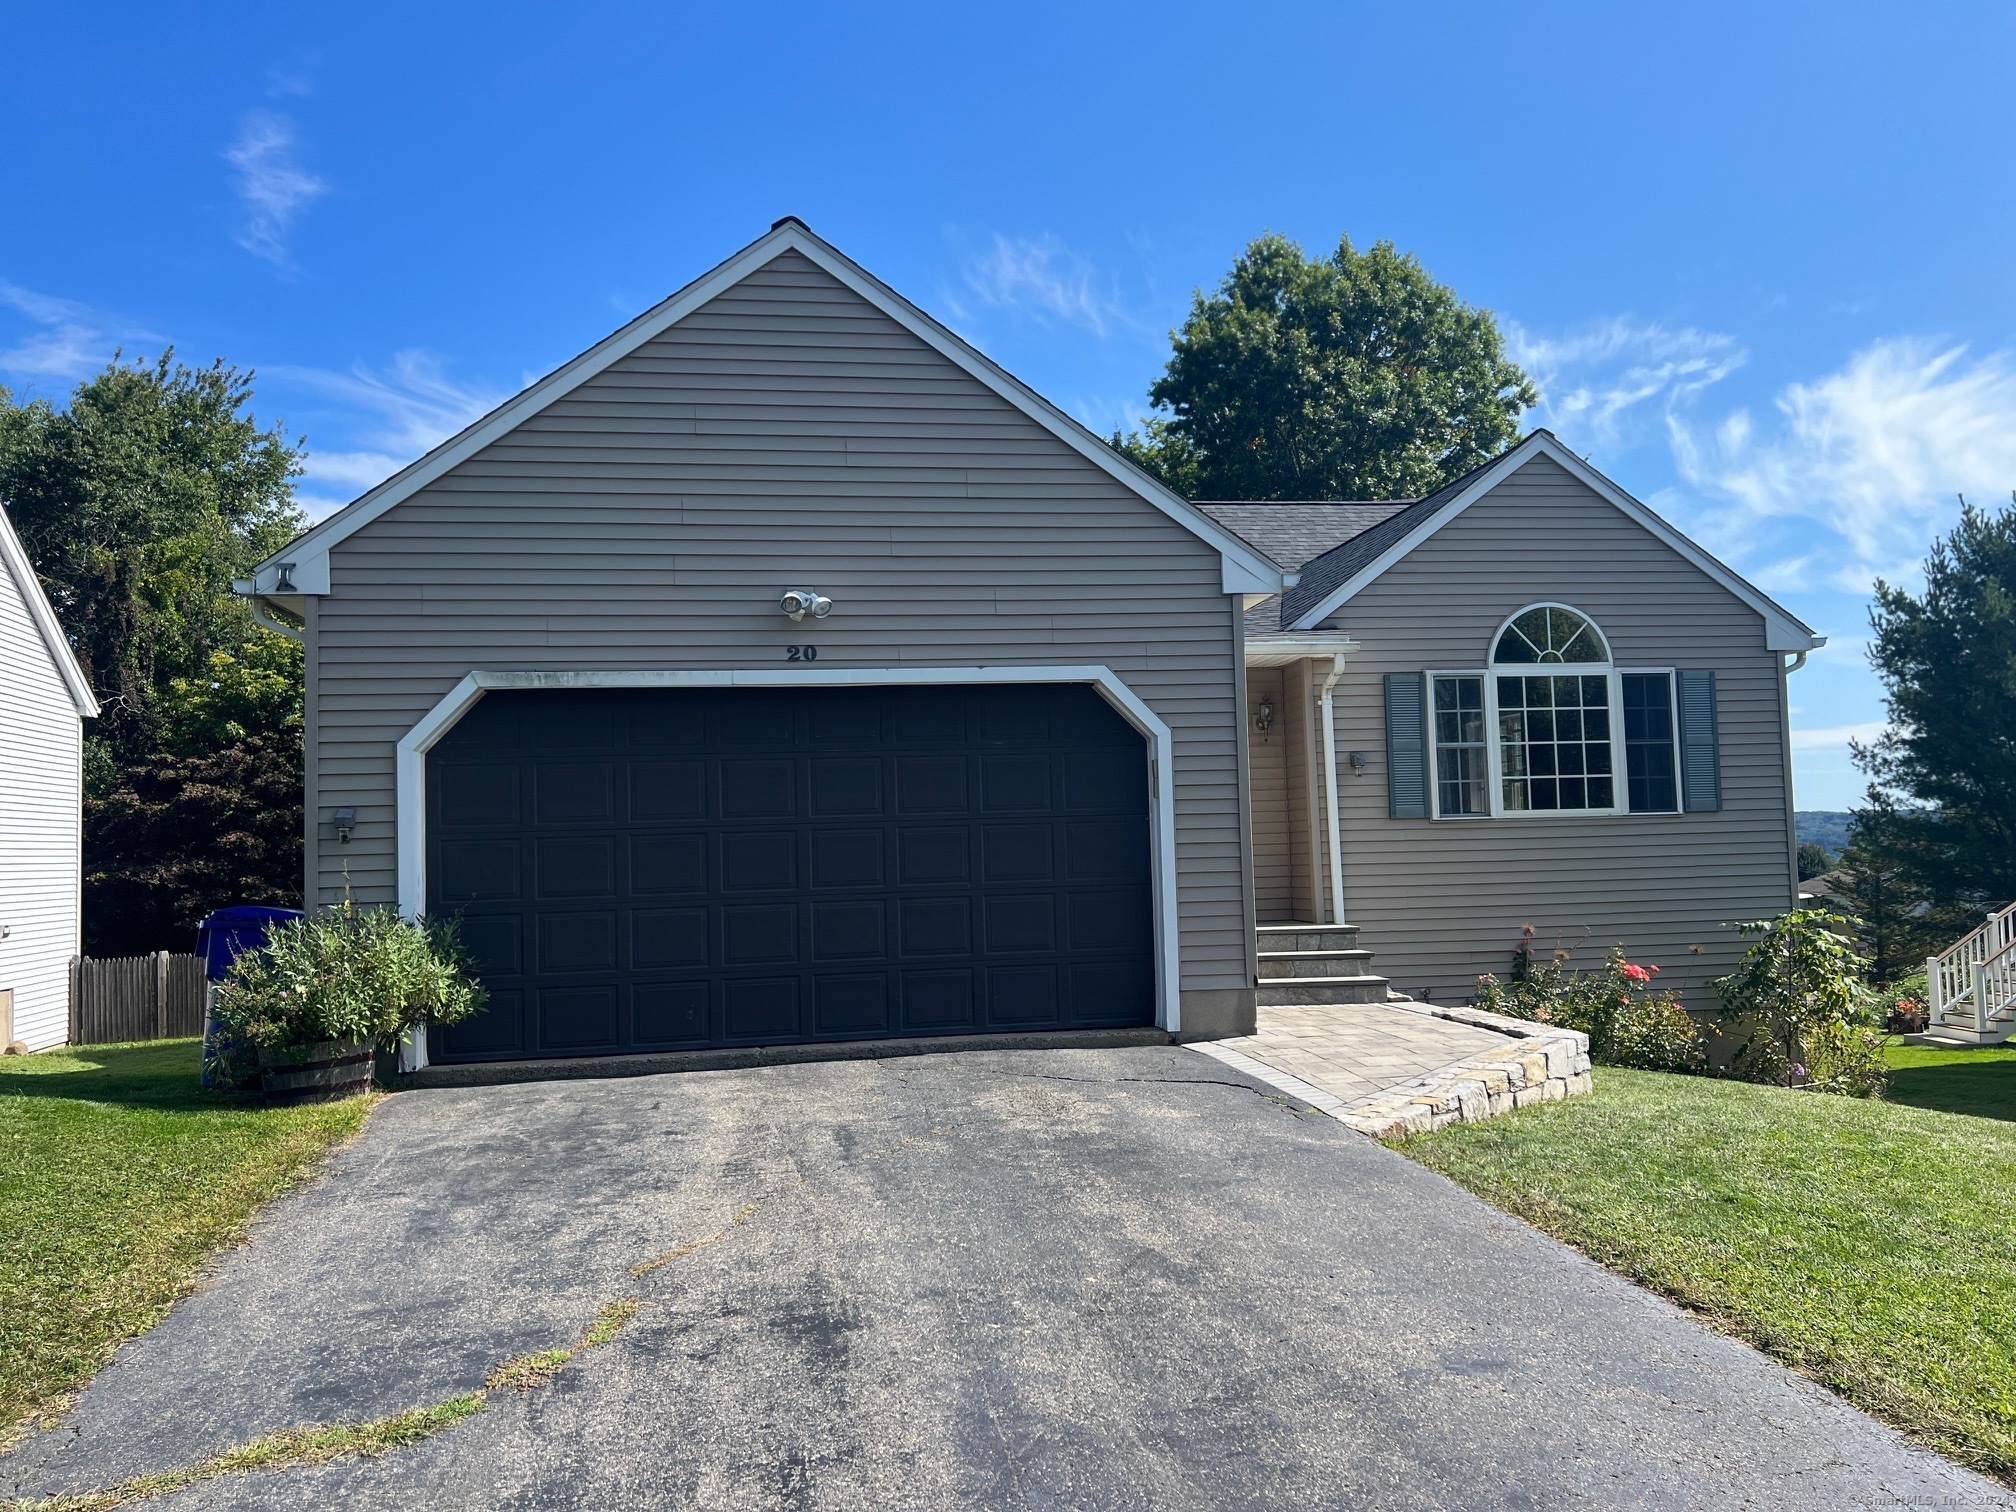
(1813, 860)
(1355, 376)
(181, 835)
(1945, 774)
(139, 501)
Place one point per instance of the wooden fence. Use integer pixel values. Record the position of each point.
(157, 996)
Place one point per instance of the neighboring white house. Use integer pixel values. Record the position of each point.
(44, 702)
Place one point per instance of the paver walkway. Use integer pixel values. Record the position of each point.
(1353, 1050)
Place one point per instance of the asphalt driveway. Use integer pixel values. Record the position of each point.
(1084, 1278)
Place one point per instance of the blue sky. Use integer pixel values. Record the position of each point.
(1758, 256)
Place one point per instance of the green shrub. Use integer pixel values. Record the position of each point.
(353, 974)
(1628, 1021)
(1799, 1000)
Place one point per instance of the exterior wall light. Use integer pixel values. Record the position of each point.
(800, 602)
(345, 820)
(1358, 760)
(1263, 720)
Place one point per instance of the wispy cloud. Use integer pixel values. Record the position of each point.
(1615, 379)
(1836, 738)
(64, 339)
(271, 182)
(403, 412)
(1043, 279)
(1873, 454)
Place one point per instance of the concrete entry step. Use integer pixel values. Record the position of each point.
(1320, 990)
(1275, 937)
(1313, 963)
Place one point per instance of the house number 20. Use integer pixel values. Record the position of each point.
(801, 653)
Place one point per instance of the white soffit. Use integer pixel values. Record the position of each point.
(1783, 631)
(1246, 569)
(15, 557)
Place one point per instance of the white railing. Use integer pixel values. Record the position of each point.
(1975, 980)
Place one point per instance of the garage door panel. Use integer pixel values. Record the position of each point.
(478, 870)
(1021, 925)
(759, 862)
(576, 867)
(758, 934)
(759, 789)
(497, 1032)
(668, 792)
(661, 938)
(931, 784)
(934, 1001)
(1105, 782)
(935, 926)
(1020, 996)
(848, 858)
(850, 931)
(670, 1015)
(1014, 784)
(481, 795)
(1116, 922)
(1017, 853)
(573, 792)
(572, 942)
(845, 787)
(855, 1004)
(578, 1020)
(673, 863)
(643, 870)
(762, 1008)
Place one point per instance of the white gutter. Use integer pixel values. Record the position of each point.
(1330, 787)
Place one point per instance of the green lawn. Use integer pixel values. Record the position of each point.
(1870, 1245)
(118, 1178)
(1980, 1079)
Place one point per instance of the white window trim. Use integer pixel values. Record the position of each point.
(1494, 745)
(411, 765)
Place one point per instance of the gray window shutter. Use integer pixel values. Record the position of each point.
(1700, 751)
(1406, 746)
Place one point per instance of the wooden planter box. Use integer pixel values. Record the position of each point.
(317, 1073)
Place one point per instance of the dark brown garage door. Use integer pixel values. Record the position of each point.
(656, 869)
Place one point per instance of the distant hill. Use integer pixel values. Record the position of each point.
(1826, 827)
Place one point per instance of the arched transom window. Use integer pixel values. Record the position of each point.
(1550, 633)
(1553, 726)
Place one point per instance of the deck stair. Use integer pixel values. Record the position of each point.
(1972, 985)
(1316, 963)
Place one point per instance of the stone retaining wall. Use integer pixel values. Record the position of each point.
(1542, 1063)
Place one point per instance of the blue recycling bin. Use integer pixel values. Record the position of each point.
(221, 938)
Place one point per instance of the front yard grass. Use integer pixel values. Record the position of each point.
(1870, 1245)
(118, 1179)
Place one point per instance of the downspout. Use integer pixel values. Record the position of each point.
(1330, 787)
(263, 613)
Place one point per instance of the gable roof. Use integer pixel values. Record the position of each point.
(14, 557)
(1246, 569)
(1293, 532)
(1331, 580)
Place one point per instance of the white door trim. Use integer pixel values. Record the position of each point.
(439, 720)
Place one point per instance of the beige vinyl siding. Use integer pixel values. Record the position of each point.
(786, 434)
(1273, 850)
(1442, 900)
(41, 747)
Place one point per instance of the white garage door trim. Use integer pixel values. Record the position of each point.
(439, 720)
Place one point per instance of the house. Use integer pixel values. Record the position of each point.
(44, 701)
(783, 669)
